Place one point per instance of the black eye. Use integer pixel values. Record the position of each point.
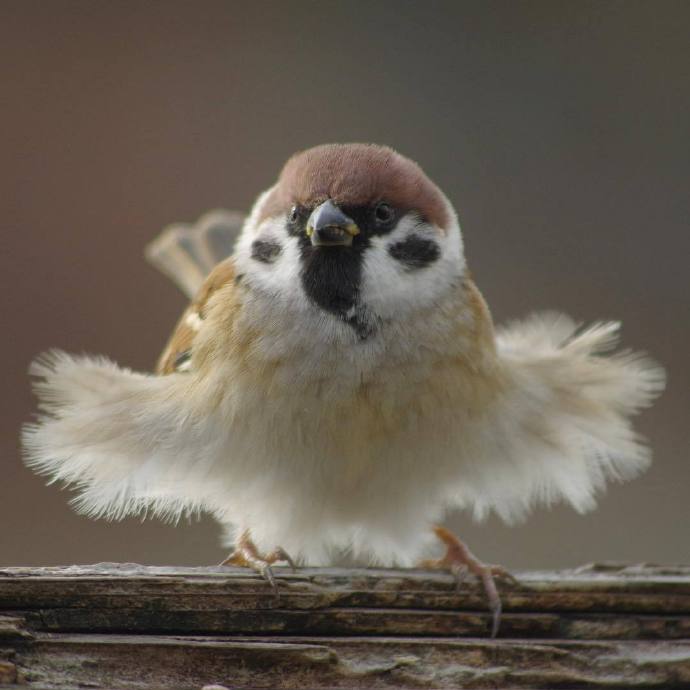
(294, 214)
(384, 213)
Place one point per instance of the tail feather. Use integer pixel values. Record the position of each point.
(561, 428)
(187, 253)
(128, 442)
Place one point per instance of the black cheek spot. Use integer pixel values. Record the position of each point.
(415, 252)
(265, 252)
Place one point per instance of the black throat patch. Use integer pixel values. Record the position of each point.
(331, 277)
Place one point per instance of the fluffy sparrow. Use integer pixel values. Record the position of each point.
(337, 384)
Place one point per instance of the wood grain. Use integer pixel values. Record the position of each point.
(127, 626)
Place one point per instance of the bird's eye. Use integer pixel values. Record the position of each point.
(384, 213)
(296, 213)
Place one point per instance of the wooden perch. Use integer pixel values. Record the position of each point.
(129, 626)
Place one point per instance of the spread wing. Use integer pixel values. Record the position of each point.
(178, 353)
(561, 426)
(129, 442)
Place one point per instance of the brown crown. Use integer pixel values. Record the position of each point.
(356, 174)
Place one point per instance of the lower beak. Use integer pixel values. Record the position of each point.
(328, 226)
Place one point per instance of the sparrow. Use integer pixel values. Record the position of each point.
(336, 384)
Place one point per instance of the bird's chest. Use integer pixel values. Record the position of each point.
(343, 429)
(309, 405)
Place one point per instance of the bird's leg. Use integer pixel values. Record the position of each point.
(247, 555)
(459, 560)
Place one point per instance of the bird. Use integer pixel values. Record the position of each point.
(337, 385)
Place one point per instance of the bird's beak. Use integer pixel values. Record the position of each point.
(328, 226)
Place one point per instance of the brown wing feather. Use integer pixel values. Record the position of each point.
(178, 350)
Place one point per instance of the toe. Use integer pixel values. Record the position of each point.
(500, 572)
(283, 555)
(235, 558)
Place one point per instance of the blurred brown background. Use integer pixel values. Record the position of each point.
(559, 129)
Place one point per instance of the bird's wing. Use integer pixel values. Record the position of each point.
(187, 253)
(130, 442)
(561, 426)
(178, 352)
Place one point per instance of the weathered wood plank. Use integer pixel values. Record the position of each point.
(179, 662)
(635, 590)
(332, 621)
(129, 626)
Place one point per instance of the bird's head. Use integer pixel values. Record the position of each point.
(356, 231)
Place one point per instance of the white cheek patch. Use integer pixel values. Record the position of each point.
(411, 267)
(268, 258)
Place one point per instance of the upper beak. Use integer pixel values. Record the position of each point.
(328, 226)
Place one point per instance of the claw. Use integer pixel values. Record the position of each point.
(496, 610)
(495, 605)
(267, 574)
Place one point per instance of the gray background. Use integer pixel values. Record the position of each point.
(559, 130)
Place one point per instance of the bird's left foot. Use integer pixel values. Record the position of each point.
(460, 560)
(247, 555)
